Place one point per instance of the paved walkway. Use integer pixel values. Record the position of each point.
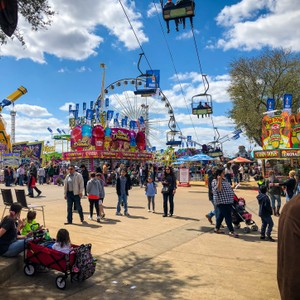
(145, 256)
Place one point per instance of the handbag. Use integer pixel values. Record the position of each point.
(165, 189)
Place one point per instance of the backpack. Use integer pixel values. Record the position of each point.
(85, 265)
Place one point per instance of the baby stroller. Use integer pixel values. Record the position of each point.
(240, 214)
(78, 264)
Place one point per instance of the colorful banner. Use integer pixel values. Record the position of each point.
(153, 78)
(29, 151)
(107, 154)
(287, 103)
(276, 132)
(270, 104)
(283, 153)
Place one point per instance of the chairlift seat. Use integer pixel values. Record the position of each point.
(21, 198)
(145, 92)
(7, 199)
(173, 143)
(202, 111)
(185, 10)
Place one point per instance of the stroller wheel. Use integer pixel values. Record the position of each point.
(29, 270)
(61, 282)
(246, 229)
(254, 228)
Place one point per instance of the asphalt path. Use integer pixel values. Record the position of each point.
(145, 256)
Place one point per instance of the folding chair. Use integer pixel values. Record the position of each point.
(7, 199)
(21, 198)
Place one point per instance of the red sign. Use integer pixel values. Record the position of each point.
(107, 154)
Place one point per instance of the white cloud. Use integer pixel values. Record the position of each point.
(78, 39)
(153, 10)
(83, 69)
(65, 107)
(33, 127)
(32, 110)
(187, 35)
(255, 24)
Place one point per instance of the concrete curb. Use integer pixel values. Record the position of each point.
(9, 266)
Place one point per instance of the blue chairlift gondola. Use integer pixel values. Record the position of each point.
(146, 85)
(202, 103)
(172, 138)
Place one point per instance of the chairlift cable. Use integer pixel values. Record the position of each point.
(135, 34)
(173, 63)
(143, 52)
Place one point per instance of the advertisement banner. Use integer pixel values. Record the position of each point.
(107, 154)
(287, 103)
(270, 104)
(184, 177)
(29, 151)
(153, 78)
(276, 133)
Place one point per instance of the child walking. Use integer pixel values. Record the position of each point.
(93, 188)
(101, 179)
(63, 242)
(150, 193)
(265, 212)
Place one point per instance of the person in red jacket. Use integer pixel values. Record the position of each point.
(32, 186)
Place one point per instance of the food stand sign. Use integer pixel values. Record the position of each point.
(184, 177)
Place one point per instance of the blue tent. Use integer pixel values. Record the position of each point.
(201, 157)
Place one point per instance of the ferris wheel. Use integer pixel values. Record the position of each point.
(155, 113)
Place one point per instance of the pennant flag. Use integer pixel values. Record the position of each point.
(50, 130)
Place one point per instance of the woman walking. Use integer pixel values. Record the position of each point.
(169, 190)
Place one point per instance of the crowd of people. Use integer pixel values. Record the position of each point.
(78, 182)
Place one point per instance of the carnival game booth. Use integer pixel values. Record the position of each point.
(281, 142)
(93, 145)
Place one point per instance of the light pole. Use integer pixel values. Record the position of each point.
(102, 66)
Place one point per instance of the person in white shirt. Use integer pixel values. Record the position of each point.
(63, 242)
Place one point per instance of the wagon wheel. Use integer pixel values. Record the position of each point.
(246, 229)
(254, 228)
(61, 282)
(29, 270)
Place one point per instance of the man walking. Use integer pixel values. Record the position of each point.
(123, 186)
(73, 189)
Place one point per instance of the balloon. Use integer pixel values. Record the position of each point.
(141, 140)
(87, 130)
(76, 135)
(98, 137)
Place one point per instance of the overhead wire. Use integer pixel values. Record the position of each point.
(175, 69)
(201, 71)
(140, 45)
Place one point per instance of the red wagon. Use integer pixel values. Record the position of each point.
(78, 264)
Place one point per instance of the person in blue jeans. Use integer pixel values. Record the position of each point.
(11, 243)
(212, 213)
(169, 181)
(265, 212)
(73, 190)
(223, 199)
(123, 186)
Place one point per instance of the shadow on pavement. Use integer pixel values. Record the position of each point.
(184, 218)
(117, 276)
(110, 221)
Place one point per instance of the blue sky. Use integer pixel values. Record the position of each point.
(60, 66)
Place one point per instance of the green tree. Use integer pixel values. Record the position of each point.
(37, 13)
(253, 80)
